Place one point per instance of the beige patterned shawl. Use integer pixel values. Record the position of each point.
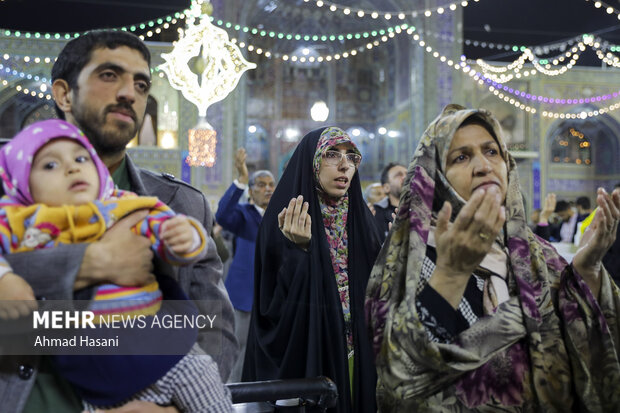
(552, 347)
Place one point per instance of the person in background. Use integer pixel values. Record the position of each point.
(220, 243)
(469, 310)
(569, 218)
(314, 252)
(392, 178)
(243, 220)
(374, 193)
(540, 218)
(583, 207)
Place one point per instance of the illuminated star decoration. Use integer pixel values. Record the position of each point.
(222, 66)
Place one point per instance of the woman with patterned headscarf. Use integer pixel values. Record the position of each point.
(469, 310)
(316, 245)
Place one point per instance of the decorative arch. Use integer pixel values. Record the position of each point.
(576, 177)
(16, 108)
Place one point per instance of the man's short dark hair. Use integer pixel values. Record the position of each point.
(78, 52)
(562, 206)
(583, 202)
(386, 171)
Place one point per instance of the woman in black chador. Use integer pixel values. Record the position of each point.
(316, 246)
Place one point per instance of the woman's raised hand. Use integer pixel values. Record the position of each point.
(462, 245)
(295, 222)
(598, 238)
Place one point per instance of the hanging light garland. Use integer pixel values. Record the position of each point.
(545, 99)
(497, 73)
(329, 57)
(401, 14)
(498, 90)
(608, 9)
(489, 73)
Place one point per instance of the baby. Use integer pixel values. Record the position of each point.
(58, 191)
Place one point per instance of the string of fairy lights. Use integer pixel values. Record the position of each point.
(602, 5)
(493, 76)
(401, 14)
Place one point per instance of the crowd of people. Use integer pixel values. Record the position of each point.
(429, 291)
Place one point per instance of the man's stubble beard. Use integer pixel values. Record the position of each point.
(106, 143)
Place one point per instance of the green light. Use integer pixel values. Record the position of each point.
(263, 33)
(357, 35)
(289, 36)
(219, 22)
(57, 36)
(67, 36)
(340, 37)
(27, 35)
(381, 32)
(515, 48)
(37, 35)
(390, 29)
(332, 38)
(237, 27)
(7, 33)
(47, 35)
(169, 19)
(272, 34)
(349, 36)
(298, 37)
(17, 34)
(254, 31)
(228, 25)
(142, 26)
(365, 35)
(246, 29)
(151, 23)
(307, 38)
(280, 35)
(315, 38)
(160, 21)
(323, 38)
(523, 48)
(132, 28)
(177, 15)
(373, 33)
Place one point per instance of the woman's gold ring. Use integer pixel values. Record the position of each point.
(483, 236)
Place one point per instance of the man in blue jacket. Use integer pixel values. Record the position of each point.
(243, 220)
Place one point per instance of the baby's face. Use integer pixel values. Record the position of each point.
(63, 173)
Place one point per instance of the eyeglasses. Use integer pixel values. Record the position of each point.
(334, 158)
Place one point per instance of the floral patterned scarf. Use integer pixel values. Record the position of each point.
(334, 213)
(551, 347)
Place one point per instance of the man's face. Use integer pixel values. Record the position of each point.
(565, 215)
(396, 176)
(262, 190)
(110, 99)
